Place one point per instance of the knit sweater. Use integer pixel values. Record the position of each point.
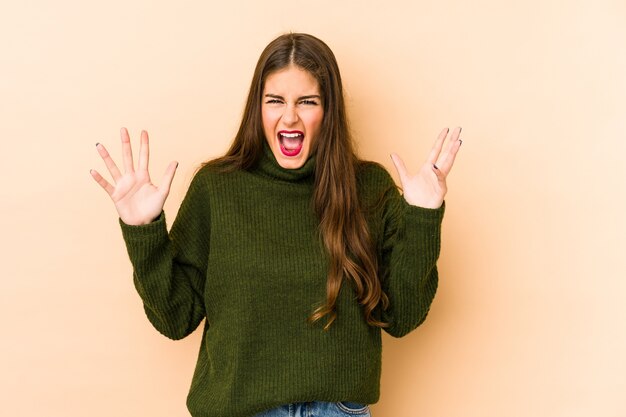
(245, 253)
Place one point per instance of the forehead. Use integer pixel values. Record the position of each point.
(291, 80)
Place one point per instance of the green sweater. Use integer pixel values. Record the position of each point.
(244, 252)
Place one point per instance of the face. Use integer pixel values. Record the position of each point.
(292, 114)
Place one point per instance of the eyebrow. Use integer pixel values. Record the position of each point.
(299, 98)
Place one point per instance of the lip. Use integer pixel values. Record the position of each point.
(290, 153)
(290, 132)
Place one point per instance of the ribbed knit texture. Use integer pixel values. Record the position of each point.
(245, 252)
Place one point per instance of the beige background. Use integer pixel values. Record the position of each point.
(529, 319)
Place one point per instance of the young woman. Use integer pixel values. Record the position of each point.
(295, 252)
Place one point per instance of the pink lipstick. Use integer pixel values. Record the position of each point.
(291, 142)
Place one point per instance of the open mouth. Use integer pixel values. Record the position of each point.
(290, 142)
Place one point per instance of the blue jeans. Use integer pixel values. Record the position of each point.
(318, 409)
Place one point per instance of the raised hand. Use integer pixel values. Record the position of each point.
(428, 187)
(136, 199)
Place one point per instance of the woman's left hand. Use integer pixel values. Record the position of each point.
(428, 187)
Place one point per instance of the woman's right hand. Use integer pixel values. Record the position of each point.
(136, 199)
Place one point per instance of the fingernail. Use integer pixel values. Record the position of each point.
(435, 166)
(97, 143)
(460, 128)
(460, 142)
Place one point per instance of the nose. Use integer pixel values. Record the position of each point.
(290, 116)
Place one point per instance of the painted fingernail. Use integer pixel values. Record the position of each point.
(97, 143)
(435, 166)
(460, 142)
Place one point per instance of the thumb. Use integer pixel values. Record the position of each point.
(168, 177)
(400, 167)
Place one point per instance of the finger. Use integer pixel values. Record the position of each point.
(108, 161)
(449, 156)
(441, 177)
(456, 134)
(127, 152)
(436, 150)
(144, 152)
(168, 177)
(400, 167)
(103, 183)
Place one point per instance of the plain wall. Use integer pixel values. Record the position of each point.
(529, 318)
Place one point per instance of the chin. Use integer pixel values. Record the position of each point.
(290, 158)
(291, 162)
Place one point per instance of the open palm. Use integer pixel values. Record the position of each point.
(427, 188)
(136, 199)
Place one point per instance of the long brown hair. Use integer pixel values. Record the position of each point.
(343, 228)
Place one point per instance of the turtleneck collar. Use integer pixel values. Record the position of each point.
(268, 166)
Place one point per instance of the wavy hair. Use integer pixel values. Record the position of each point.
(342, 225)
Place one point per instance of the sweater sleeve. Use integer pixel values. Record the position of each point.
(410, 249)
(169, 271)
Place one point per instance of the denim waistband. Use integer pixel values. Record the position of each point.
(318, 409)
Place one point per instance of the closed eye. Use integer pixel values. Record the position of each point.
(309, 102)
(274, 101)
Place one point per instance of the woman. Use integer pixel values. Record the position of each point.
(295, 252)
